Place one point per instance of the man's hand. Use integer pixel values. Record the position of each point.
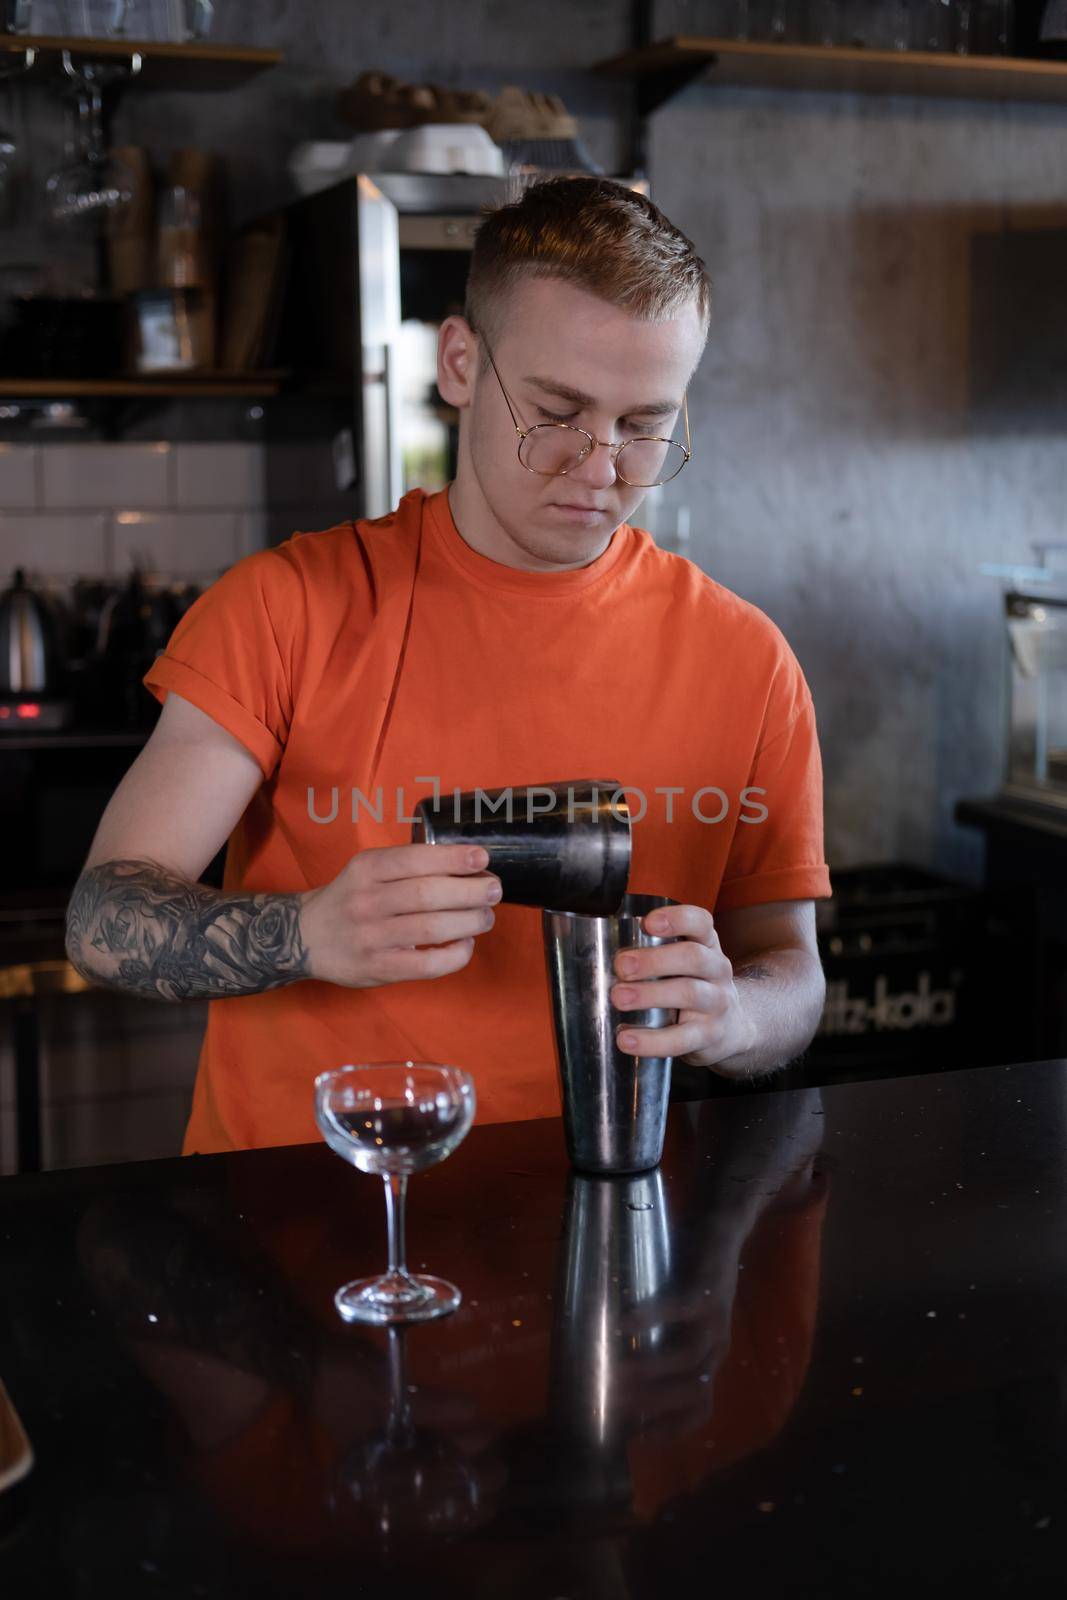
(399, 914)
(692, 976)
(740, 1017)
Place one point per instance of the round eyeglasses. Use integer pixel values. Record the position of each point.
(552, 449)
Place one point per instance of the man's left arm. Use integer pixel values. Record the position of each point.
(748, 986)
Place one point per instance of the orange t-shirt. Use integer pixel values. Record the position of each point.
(365, 661)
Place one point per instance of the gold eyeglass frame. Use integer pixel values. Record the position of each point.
(616, 449)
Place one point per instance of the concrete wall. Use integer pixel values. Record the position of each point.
(851, 473)
(845, 477)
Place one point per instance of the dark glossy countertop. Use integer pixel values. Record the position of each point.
(821, 1352)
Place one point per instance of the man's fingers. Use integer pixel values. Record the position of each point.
(671, 994)
(408, 966)
(691, 922)
(419, 860)
(688, 956)
(399, 897)
(430, 927)
(677, 1040)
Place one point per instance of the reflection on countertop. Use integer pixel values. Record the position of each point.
(822, 1304)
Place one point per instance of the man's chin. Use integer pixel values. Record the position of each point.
(576, 553)
(579, 515)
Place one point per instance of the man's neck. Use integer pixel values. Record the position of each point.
(482, 533)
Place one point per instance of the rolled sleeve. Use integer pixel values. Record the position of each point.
(779, 856)
(167, 673)
(233, 654)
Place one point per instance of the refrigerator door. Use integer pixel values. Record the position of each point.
(333, 446)
(379, 319)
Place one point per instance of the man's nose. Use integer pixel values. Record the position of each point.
(598, 468)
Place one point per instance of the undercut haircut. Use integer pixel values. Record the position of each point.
(591, 232)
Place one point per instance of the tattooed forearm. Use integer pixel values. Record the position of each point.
(136, 925)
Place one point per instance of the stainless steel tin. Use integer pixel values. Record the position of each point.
(563, 844)
(614, 1104)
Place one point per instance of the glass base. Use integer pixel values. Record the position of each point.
(396, 1297)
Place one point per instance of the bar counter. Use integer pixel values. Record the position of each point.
(822, 1350)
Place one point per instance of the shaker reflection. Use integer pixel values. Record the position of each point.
(685, 1308)
(616, 1257)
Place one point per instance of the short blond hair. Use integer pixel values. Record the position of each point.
(594, 233)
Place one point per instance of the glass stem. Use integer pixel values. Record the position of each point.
(396, 1188)
(399, 1400)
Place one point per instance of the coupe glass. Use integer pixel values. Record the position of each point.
(395, 1118)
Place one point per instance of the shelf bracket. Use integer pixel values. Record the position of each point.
(654, 89)
(651, 92)
(657, 88)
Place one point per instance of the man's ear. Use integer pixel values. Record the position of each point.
(458, 358)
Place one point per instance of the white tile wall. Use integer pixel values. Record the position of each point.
(178, 543)
(252, 531)
(78, 476)
(54, 544)
(218, 475)
(18, 476)
(187, 510)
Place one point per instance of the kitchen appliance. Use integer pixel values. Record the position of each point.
(376, 263)
(1035, 616)
(374, 267)
(31, 676)
(58, 772)
(135, 625)
(1037, 697)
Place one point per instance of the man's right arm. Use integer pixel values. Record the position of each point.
(134, 925)
(139, 920)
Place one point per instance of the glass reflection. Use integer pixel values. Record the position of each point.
(408, 1479)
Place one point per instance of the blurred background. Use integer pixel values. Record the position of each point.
(227, 236)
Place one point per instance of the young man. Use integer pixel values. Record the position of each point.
(512, 630)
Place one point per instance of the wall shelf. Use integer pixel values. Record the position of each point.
(169, 385)
(163, 66)
(669, 65)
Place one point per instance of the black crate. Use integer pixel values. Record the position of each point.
(907, 955)
(920, 977)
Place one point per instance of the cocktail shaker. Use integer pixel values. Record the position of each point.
(614, 1104)
(565, 844)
